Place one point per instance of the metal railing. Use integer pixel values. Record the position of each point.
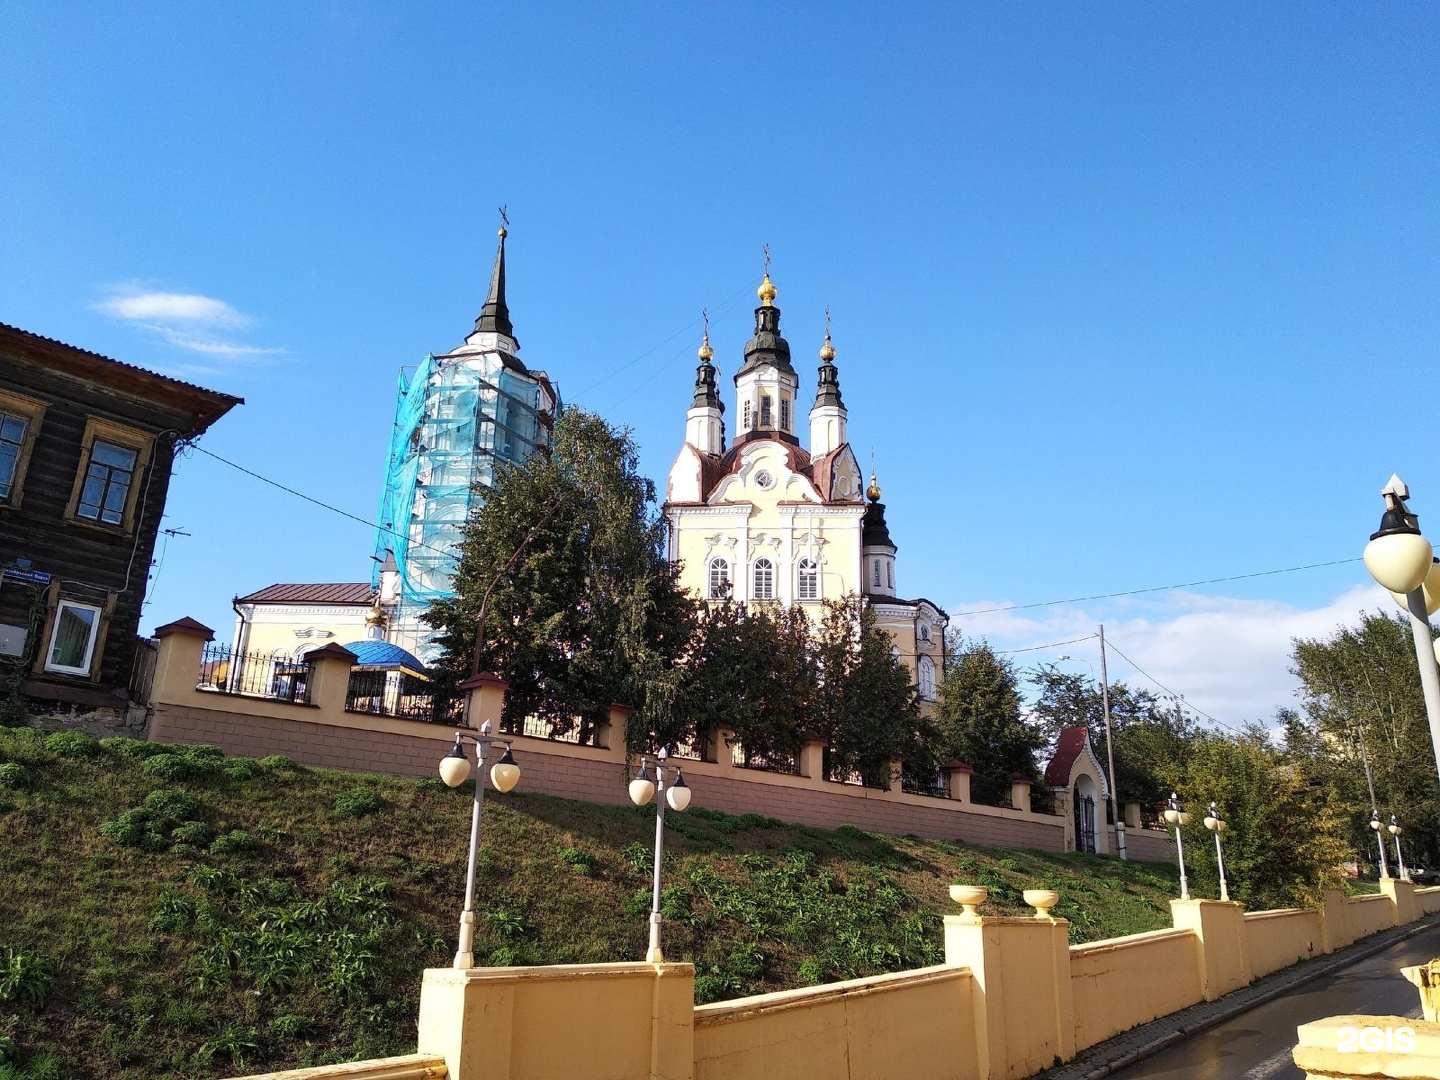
(934, 788)
(279, 678)
(405, 697)
(777, 762)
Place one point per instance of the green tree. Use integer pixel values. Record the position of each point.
(1286, 836)
(866, 705)
(979, 720)
(583, 608)
(1361, 699)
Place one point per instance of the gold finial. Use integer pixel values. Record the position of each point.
(873, 491)
(504, 221)
(706, 353)
(376, 617)
(827, 351)
(766, 292)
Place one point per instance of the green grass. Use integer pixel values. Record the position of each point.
(203, 915)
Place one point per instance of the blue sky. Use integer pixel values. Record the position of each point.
(1124, 295)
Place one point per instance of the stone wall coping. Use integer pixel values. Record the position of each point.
(1129, 941)
(726, 1012)
(555, 972)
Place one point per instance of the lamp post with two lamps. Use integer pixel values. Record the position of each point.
(504, 774)
(1177, 817)
(1403, 561)
(1216, 824)
(1395, 831)
(1378, 826)
(677, 795)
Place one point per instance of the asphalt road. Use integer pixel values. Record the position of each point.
(1256, 1045)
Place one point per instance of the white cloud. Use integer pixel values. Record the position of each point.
(189, 321)
(1227, 657)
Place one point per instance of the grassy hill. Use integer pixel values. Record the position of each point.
(171, 912)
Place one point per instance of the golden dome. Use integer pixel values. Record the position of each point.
(376, 616)
(767, 290)
(706, 353)
(503, 234)
(873, 491)
(827, 351)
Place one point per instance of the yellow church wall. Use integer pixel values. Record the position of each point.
(283, 629)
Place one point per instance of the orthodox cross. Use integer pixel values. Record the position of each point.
(767, 260)
(505, 217)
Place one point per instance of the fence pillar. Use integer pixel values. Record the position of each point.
(812, 757)
(1334, 925)
(1402, 900)
(957, 780)
(1131, 812)
(178, 658)
(1024, 1009)
(1020, 791)
(621, 1021)
(485, 699)
(617, 720)
(330, 676)
(1219, 929)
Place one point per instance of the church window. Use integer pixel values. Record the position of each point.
(764, 579)
(808, 580)
(748, 416)
(784, 414)
(890, 574)
(719, 578)
(925, 677)
(765, 420)
(876, 574)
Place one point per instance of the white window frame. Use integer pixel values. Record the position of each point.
(768, 579)
(807, 568)
(925, 678)
(719, 562)
(65, 669)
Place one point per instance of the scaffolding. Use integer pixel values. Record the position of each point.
(458, 417)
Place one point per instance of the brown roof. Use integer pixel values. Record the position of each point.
(344, 592)
(206, 406)
(1070, 746)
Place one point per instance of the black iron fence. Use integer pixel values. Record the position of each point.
(223, 670)
(934, 787)
(405, 697)
(777, 762)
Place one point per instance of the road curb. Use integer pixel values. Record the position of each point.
(1245, 999)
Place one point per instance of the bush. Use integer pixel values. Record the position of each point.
(192, 832)
(578, 859)
(133, 748)
(14, 776)
(359, 802)
(175, 805)
(240, 769)
(279, 763)
(72, 744)
(25, 976)
(170, 767)
(233, 841)
(136, 827)
(291, 1025)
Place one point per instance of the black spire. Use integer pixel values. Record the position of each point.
(875, 533)
(827, 392)
(706, 395)
(495, 316)
(767, 348)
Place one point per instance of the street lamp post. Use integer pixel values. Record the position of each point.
(1395, 831)
(642, 790)
(1177, 817)
(1402, 560)
(1217, 825)
(505, 774)
(1380, 841)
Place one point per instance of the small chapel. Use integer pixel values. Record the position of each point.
(761, 518)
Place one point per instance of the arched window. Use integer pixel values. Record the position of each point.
(747, 415)
(765, 420)
(719, 578)
(876, 573)
(764, 579)
(784, 414)
(807, 580)
(890, 574)
(925, 677)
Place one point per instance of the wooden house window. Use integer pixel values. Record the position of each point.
(19, 424)
(107, 485)
(72, 638)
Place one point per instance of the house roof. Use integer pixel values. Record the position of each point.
(343, 592)
(206, 406)
(1074, 742)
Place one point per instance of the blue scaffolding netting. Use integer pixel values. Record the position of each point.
(457, 418)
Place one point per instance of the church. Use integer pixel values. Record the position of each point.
(764, 519)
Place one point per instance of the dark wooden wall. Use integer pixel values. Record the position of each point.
(88, 562)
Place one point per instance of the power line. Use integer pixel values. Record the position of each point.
(317, 502)
(1152, 589)
(1052, 645)
(1110, 641)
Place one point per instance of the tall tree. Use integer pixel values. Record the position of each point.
(866, 706)
(979, 719)
(1361, 699)
(582, 609)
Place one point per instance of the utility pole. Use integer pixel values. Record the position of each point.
(1120, 848)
